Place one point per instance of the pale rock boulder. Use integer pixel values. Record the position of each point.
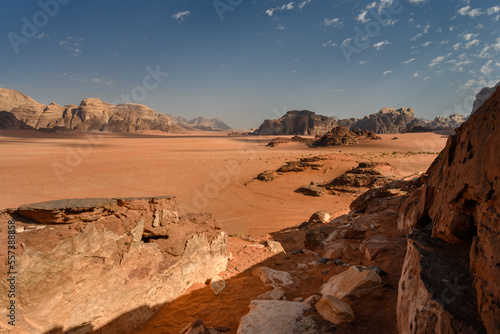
(277, 317)
(274, 294)
(217, 284)
(352, 282)
(273, 277)
(320, 217)
(335, 310)
(275, 246)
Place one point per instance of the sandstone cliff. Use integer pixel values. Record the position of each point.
(105, 264)
(297, 122)
(91, 114)
(451, 279)
(387, 120)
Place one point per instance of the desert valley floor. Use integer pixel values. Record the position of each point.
(208, 172)
(213, 172)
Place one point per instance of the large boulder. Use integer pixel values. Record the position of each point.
(277, 317)
(105, 264)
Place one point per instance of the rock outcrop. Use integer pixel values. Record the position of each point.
(483, 95)
(10, 122)
(297, 122)
(91, 114)
(341, 135)
(105, 264)
(454, 218)
(361, 178)
(387, 120)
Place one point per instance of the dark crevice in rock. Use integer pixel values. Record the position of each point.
(154, 237)
(445, 274)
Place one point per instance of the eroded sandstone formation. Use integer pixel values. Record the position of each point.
(341, 135)
(297, 122)
(91, 114)
(454, 218)
(107, 264)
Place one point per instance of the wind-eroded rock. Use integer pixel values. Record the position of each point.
(458, 203)
(106, 264)
(297, 122)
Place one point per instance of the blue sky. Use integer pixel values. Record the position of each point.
(244, 61)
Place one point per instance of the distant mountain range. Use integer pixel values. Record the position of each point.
(19, 111)
(387, 120)
(201, 123)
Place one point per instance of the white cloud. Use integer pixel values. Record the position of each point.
(390, 22)
(486, 69)
(426, 44)
(416, 1)
(303, 3)
(426, 78)
(469, 36)
(380, 45)
(330, 42)
(417, 36)
(371, 5)
(493, 10)
(472, 43)
(456, 46)
(451, 28)
(497, 45)
(484, 52)
(280, 27)
(479, 26)
(362, 62)
(180, 16)
(436, 61)
(416, 74)
(42, 35)
(332, 22)
(408, 61)
(386, 73)
(468, 11)
(384, 4)
(102, 81)
(288, 6)
(347, 40)
(362, 17)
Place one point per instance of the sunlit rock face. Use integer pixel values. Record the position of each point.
(451, 279)
(106, 264)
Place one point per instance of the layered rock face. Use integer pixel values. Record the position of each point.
(297, 122)
(105, 264)
(91, 114)
(459, 204)
(10, 122)
(387, 120)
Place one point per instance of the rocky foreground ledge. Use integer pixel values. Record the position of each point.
(107, 264)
